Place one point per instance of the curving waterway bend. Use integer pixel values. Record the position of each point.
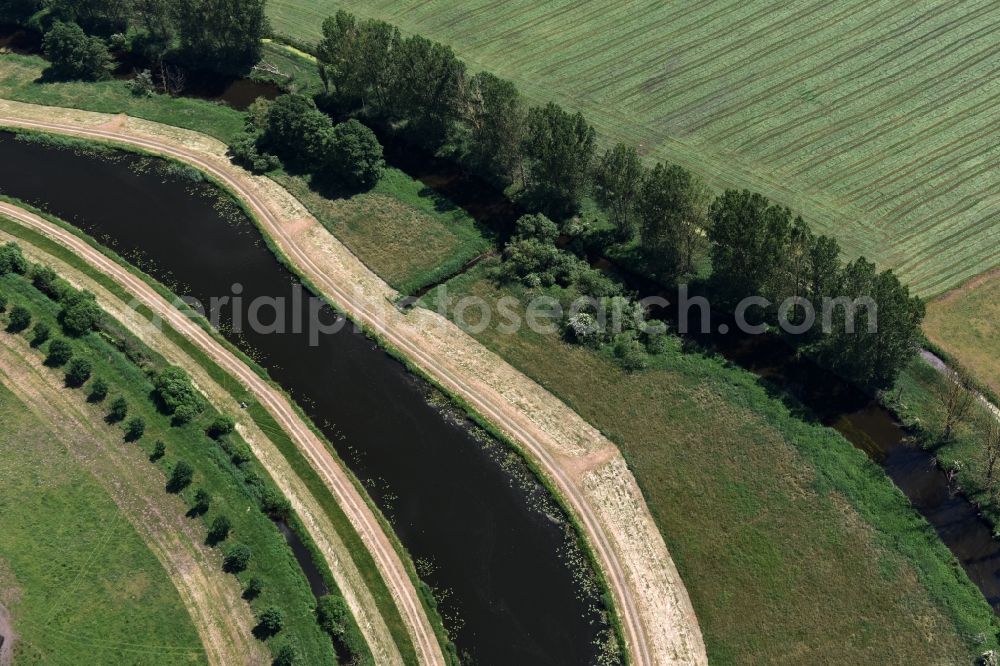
(485, 535)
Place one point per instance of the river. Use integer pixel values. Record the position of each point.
(483, 532)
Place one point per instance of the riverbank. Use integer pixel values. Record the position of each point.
(640, 571)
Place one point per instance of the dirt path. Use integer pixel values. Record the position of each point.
(7, 638)
(938, 364)
(659, 623)
(212, 598)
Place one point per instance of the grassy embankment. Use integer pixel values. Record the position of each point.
(788, 539)
(406, 233)
(125, 363)
(79, 581)
(873, 120)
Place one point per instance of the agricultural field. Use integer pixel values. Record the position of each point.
(876, 121)
(80, 584)
(964, 323)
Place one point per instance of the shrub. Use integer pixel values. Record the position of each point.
(219, 531)
(20, 319)
(333, 615)
(12, 260)
(59, 354)
(286, 655)
(78, 372)
(538, 227)
(134, 429)
(222, 425)
(354, 155)
(202, 502)
(46, 281)
(142, 85)
(180, 477)
(584, 329)
(176, 393)
(3, 303)
(98, 390)
(630, 353)
(40, 334)
(273, 503)
(80, 313)
(74, 55)
(254, 587)
(271, 621)
(238, 452)
(118, 410)
(237, 558)
(244, 151)
(159, 450)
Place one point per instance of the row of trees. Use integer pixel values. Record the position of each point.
(422, 88)
(667, 203)
(217, 35)
(861, 323)
(759, 249)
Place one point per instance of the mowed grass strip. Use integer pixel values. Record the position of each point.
(81, 585)
(794, 547)
(874, 120)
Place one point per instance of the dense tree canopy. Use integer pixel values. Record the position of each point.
(665, 209)
(357, 61)
(496, 117)
(748, 236)
(618, 180)
(74, 55)
(296, 130)
(12, 260)
(17, 12)
(80, 313)
(96, 17)
(177, 395)
(871, 345)
(353, 155)
(223, 34)
(559, 147)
